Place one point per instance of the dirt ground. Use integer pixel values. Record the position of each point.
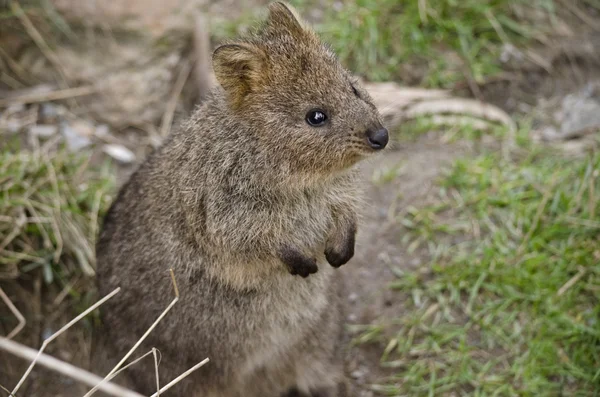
(378, 246)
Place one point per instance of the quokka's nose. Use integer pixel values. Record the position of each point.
(378, 139)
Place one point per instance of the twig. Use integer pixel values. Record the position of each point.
(14, 311)
(180, 377)
(49, 96)
(572, 281)
(184, 73)
(59, 332)
(64, 368)
(139, 342)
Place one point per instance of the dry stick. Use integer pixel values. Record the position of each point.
(139, 342)
(14, 311)
(49, 96)
(62, 367)
(180, 377)
(165, 126)
(59, 332)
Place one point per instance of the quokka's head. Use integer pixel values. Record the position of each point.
(294, 94)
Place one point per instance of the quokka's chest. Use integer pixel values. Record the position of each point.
(298, 217)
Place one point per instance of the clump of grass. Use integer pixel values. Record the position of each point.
(510, 303)
(434, 43)
(50, 206)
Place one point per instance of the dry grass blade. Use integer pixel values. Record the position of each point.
(34, 97)
(180, 377)
(581, 272)
(142, 338)
(156, 360)
(167, 120)
(64, 368)
(102, 381)
(58, 333)
(14, 311)
(38, 38)
(203, 69)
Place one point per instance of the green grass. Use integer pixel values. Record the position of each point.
(50, 206)
(510, 303)
(435, 43)
(432, 43)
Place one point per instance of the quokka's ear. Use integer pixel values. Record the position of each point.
(284, 18)
(238, 69)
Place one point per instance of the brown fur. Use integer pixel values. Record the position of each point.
(244, 203)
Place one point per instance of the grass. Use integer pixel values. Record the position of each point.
(431, 43)
(50, 206)
(434, 43)
(509, 304)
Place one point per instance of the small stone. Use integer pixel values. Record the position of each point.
(75, 141)
(12, 126)
(43, 130)
(46, 333)
(15, 108)
(580, 112)
(83, 128)
(358, 373)
(102, 131)
(549, 133)
(352, 318)
(49, 111)
(352, 297)
(119, 153)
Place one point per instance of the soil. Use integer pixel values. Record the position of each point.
(379, 247)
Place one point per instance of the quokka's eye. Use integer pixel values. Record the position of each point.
(316, 118)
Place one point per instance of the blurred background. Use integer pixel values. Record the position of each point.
(478, 264)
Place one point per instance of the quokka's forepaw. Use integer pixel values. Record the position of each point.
(339, 258)
(298, 263)
(305, 268)
(339, 254)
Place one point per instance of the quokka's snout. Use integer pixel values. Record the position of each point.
(377, 138)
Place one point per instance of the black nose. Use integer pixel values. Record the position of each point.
(378, 139)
